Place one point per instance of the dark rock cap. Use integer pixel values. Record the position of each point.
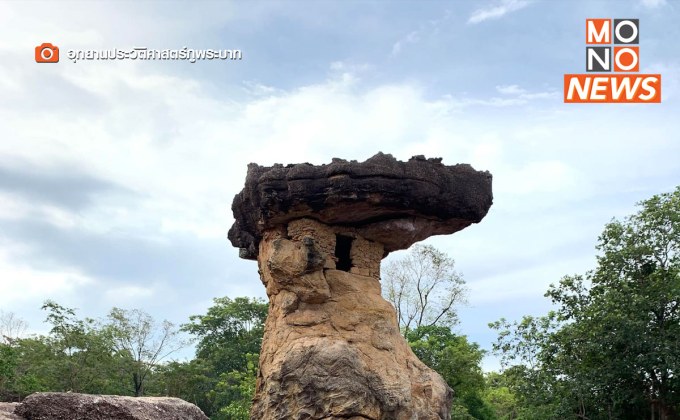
(389, 201)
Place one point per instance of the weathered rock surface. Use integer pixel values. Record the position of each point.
(7, 411)
(332, 347)
(396, 203)
(71, 406)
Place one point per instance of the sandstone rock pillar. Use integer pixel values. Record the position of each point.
(332, 347)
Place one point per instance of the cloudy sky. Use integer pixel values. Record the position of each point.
(116, 177)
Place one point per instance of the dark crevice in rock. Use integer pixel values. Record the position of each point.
(343, 248)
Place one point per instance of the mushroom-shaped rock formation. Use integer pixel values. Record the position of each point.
(332, 347)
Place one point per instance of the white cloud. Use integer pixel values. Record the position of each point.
(653, 3)
(126, 295)
(186, 178)
(428, 29)
(553, 94)
(670, 76)
(539, 177)
(522, 95)
(494, 102)
(16, 209)
(502, 102)
(12, 208)
(411, 38)
(497, 11)
(510, 90)
(258, 89)
(22, 284)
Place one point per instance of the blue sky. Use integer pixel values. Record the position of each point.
(116, 177)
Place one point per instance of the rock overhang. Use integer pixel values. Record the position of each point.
(392, 202)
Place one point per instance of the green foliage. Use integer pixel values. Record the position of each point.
(611, 348)
(8, 363)
(230, 330)
(101, 357)
(234, 392)
(136, 336)
(33, 367)
(190, 381)
(122, 355)
(499, 395)
(229, 341)
(77, 356)
(458, 361)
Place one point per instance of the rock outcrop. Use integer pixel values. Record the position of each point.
(396, 203)
(73, 406)
(7, 411)
(332, 347)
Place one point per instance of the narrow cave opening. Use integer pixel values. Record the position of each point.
(343, 246)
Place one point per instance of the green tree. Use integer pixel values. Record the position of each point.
(501, 397)
(190, 381)
(81, 355)
(525, 348)
(626, 311)
(234, 392)
(229, 341)
(8, 362)
(136, 336)
(11, 330)
(28, 366)
(611, 348)
(77, 355)
(458, 361)
(87, 355)
(230, 330)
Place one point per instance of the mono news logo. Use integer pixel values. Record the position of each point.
(612, 62)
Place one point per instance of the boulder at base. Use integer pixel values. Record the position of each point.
(7, 411)
(71, 406)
